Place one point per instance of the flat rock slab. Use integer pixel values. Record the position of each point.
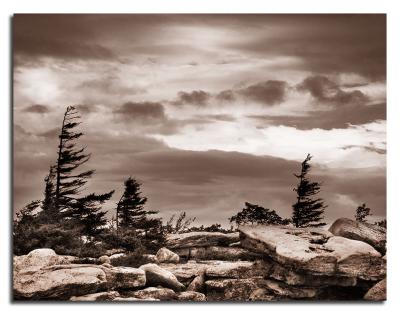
(202, 239)
(217, 253)
(163, 294)
(156, 275)
(233, 289)
(361, 231)
(314, 251)
(100, 296)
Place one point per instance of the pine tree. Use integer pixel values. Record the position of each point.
(130, 208)
(362, 212)
(69, 184)
(254, 214)
(49, 212)
(308, 210)
(87, 212)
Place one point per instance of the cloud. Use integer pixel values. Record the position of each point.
(195, 98)
(270, 92)
(141, 111)
(325, 90)
(37, 109)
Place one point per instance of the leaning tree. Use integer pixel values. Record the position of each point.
(308, 210)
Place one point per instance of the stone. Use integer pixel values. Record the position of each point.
(163, 294)
(133, 299)
(197, 284)
(262, 294)
(202, 238)
(40, 258)
(217, 253)
(150, 258)
(125, 277)
(192, 296)
(166, 256)
(100, 296)
(314, 251)
(238, 269)
(377, 292)
(291, 277)
(60, 284)
(155, 275)
(361, 231)
(186, 272)
(290, 292)
(232, 289)
(116, 256)
(104, 260)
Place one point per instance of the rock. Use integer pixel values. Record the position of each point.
(40, 258)
(217, 253)
(262, 294)
(197, 284)
(117, 255)
(361, 231)
(163, 294)
(150, 258)
(114, 251)
(100, 296)
(232, 289)
(290, 292)
(60, 284)
(125, 277)
(195, 239)
(377, 292)
(238, 269)
(156, 275)
(291, 277)
(133, 299)
(191, 296)
(104, 260)
(314, 251)
(186, 272)
(166, 256)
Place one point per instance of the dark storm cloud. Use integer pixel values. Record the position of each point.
(269, 92)
(325, 90)
(37, 109)
(59, 36)
(226, 95)
(142, 111)
(338, 117)
(195, 98)
(325, 43)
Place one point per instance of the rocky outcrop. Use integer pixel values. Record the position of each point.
(42, 274)
(217, 253)
(200, 239)
(361, 231)
(315, 251)
(155, 275)
(377, 292)
(166, 256)
(163, 294)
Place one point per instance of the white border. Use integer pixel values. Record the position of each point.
(8, 7)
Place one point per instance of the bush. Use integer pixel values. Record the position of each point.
(133, 259)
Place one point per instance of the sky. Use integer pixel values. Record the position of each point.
(207, 111)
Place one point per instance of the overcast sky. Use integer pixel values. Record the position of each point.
(207, 111)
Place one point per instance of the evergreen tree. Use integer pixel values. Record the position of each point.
(254, 214)
(87, 212)
(362, 212)
(49, 212)
(308, 210)
(69, 184)
(130, 208)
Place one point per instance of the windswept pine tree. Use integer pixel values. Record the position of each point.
(70, 157)
(49, 212)
(362, 212)
(308, 210)
(130, 208)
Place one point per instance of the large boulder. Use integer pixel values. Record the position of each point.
(163, 294)
(104, 260)
(125, 277)
(155, 275)
(362, 231)
(196, 239)
(166, 256)
(314, 251)
(238, 269)
(41, 258)
(100, 296)
(377, 292)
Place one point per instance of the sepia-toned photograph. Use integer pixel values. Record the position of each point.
(198, 157)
